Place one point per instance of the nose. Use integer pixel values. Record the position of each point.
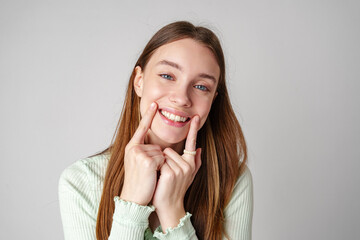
(180, 97)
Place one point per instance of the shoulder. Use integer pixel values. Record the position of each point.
(84, 173)
(242, 195)
(80, 187)
(245, 179)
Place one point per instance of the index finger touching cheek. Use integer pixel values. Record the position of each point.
(190, 144)
(144, 124)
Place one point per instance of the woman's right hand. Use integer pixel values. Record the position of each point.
(141, 162)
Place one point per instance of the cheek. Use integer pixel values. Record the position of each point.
(150, 96)
(203, 112)
(154, 91)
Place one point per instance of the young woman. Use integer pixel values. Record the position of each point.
(176, 168)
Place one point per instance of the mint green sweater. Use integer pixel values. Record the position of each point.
(80, 189)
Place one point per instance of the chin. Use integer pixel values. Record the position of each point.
(168, 139)
(171, 140)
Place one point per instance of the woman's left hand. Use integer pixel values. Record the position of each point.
(176, 175)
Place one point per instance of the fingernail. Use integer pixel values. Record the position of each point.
(197, 119)
(152, 105)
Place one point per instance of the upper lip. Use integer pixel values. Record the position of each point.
(175, 112)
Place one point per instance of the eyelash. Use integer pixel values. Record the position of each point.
(200, 87)
(162, 75)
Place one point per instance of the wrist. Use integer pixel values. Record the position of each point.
(184, 230)
(131, 213)
(170, 218)
(126, 198)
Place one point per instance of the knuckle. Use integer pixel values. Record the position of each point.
(140, 156)
(187, 169)
(136, 149)
(161, 159)
(148, 163)
(142, 127)
(167, 150)
(178, 173)
(157, 147)
(169, 175)
(128, 147)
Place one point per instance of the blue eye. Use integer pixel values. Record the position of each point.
(201, 87)
(166, 76)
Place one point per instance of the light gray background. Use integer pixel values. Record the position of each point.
(293, 75)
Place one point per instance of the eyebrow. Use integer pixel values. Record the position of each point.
(177, 66)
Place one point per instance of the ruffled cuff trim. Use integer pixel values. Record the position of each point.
(131, 213)
(184, 230)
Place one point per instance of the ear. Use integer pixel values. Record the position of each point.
(138, 81)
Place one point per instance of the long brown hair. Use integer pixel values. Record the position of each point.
(223, 145)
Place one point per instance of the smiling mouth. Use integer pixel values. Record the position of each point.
(173, 117)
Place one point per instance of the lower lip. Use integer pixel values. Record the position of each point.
(172, 123)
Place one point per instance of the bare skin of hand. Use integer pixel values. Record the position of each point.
(176, 175)
(141, 162)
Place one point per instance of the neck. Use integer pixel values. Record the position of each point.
(151, 138)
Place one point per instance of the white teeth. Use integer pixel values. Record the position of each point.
(173, 117)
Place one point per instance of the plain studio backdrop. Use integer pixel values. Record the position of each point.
(293, 77)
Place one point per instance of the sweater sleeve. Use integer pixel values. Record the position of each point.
(130, 220)
(184, 230)
(238, 215)
(79, 207)
(239, 212)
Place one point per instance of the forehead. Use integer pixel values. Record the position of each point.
(192, 56)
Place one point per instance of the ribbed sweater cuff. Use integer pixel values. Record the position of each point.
(130, 213)
(184, 230)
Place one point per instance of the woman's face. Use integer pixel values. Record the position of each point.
(181, 77)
